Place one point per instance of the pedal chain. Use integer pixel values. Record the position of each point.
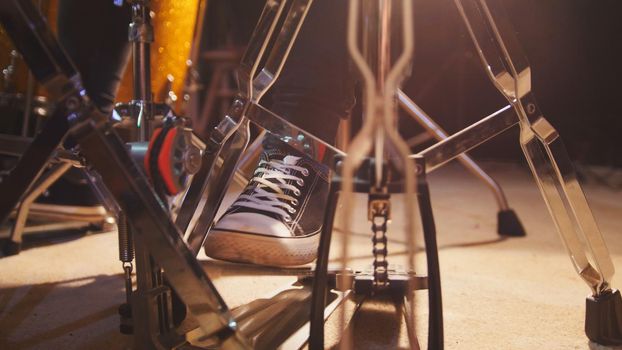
(379, 211)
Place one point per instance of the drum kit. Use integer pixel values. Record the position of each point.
(164, 209)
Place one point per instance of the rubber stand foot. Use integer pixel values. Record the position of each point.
(603, 318)
(10, 248)
(508, 224)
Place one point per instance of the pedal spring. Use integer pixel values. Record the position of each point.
(126, 255)
(126, 244)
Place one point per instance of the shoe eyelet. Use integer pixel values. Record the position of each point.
(305, 172)
(287, 219)
(295, 201)
(300, 182)
(297, 192)
(291, 210)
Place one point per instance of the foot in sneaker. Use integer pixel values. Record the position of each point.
(278, 217)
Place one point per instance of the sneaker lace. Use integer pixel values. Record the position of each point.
(272, 178)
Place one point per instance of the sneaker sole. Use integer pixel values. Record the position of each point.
(262, 250)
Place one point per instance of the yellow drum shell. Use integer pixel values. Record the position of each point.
(49, 8)
(173, 23)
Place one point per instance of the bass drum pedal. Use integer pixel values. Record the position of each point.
(171, 156)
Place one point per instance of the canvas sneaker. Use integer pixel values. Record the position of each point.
(277, 219)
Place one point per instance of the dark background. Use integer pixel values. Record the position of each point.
(573, 46)
(575, 52)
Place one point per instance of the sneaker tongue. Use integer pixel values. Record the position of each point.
(291, 160)
(279, 150)
(268, 155)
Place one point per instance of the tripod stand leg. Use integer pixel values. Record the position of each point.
(32, 162)
(508, 223)
(568, 206)
(49, 64)
(509, 71)
(435, 318)
(320, 281)
(560, 188)
(13, 245)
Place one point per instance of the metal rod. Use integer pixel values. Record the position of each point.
(42, 184)
(435, 295)
(249, 160)
(141, 36)
(30, 92)
(320, 280)
(435, 130)
(469, 138)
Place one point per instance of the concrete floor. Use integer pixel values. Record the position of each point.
(498, 294)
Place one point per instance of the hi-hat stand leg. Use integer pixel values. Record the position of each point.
(30, 35)
(320, 280)
(51, 67)
(32, 162)
(508, 69)
(435, 298)
(13, 245)
(508, 223)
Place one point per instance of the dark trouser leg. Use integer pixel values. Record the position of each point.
(94, 34)
(316, 88)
